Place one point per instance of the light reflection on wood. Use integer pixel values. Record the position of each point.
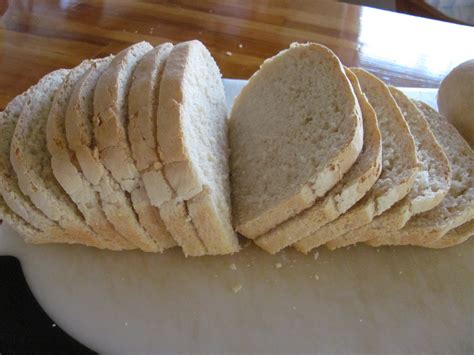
(40, 36)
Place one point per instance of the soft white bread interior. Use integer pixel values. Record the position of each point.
(295, 129)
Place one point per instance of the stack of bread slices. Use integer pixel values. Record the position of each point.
(136, 151)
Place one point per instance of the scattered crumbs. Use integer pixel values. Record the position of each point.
(215, 276)
(228, 53)
(53, 325)
(241, 45)
(458, 254)
(200, 32)
(136, 31)
(278, 265)
(361, 320)
(350, 246)
(400, 272)
(378, 250)
(316, 255)
(294, 308)
(248, 265)
(126, 324)
(211, 11)
(237, 288)
(233, 267)
(122, 278)
(294, 261)
(316, 276)
(151, 30)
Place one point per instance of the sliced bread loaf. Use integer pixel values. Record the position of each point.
(17, 202)
(353, 186)
(65, 166)
(400, 165)
(79, 132)
(192, 139)
(454, 236)
(457, 207)
(295, 129)
(142, 106)
(32, 162)
(431, 184)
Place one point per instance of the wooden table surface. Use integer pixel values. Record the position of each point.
(39, 36)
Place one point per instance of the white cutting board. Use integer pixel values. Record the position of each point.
(354, 300)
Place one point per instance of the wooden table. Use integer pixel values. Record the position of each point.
(39, 36)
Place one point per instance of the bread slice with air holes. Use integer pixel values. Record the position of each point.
(399, 168)
(192, 138)
(431, 183)
(32, 162)
(110, 131)
(295, 130)
(65, 166)
(17, 202)
(457, 207)
(79, 133)
(454, 237)
(353, 186)
(143, 105)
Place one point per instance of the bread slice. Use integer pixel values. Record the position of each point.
(353, 186)
(110, 131)
(143, 109)
(295, 129)
(17, 202)
(400, 165)
(192, 139)
(143, 106)
(431, 184)
(116, 204)
(457, 207)
(29, 233)
(32, 163)
(65, 166)
(454, 237)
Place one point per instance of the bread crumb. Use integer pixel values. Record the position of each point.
(237, 288)
(361, 320)
(400, 272)
(241, 45)
(294, 308)
(233, 267)
(278, 265)
(378, 250)
(126, 324)
(316, 276)
(53, 325)
(228, 53)
(316, 256)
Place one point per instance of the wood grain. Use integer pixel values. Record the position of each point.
(39, 36)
